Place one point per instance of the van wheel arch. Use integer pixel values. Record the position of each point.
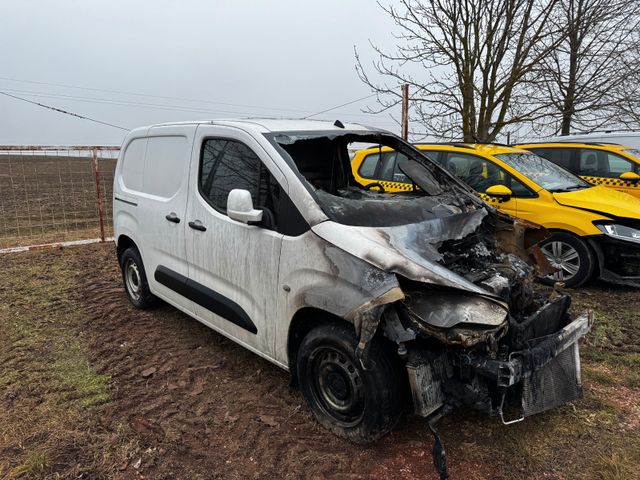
(303, 321)
(123, 243)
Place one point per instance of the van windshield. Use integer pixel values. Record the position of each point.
(322, 161)
(545, 173)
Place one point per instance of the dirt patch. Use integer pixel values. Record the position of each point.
(169, 398)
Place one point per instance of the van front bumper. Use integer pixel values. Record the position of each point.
(541, 376)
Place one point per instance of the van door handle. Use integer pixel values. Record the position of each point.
(172, 217)
(197, 225)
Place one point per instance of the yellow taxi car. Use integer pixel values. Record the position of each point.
(614, 166)
(594, 230)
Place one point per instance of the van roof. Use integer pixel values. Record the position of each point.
(265, 125)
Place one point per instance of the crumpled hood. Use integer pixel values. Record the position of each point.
(602, 200)
(409, 250)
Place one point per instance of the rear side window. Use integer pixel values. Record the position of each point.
(369, 166)
(228, 164)
(164, 165)
(133, 164)
(388, 170)
(600, 163)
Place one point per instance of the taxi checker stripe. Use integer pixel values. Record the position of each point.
(617, 182)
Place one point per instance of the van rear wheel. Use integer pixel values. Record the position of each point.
(571, 256)
(356, 404)
(135, 279)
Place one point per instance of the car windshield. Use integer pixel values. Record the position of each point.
(633, 152)
(322, 161)
(543, 172)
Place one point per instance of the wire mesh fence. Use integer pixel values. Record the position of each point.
(55, 194)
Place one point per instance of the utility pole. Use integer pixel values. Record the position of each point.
(404, 132)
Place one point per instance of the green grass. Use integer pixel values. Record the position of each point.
(44, 369)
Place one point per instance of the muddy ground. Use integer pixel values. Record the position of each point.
(91, 388)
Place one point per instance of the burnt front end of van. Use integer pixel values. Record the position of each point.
(510, 350)
(527, 367)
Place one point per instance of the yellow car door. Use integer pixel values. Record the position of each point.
(603, 167)
(481, 174)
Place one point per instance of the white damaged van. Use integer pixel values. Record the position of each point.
(376, 302)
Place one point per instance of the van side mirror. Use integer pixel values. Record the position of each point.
(630, 176)
(499, 191)
(240, 207)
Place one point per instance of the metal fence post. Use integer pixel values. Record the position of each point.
(98, 195)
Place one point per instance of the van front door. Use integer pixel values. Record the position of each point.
(233, 266)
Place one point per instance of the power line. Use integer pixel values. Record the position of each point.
(138, 94)
(167, 107)
(338, 106)
(63, 111)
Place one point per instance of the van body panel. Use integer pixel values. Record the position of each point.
(237, 261)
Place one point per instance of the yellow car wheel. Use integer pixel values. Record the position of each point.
(571, 256)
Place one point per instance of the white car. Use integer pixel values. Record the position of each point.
(377, 303)
(628, 138)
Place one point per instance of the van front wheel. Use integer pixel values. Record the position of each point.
(356, 404)
(135, 279)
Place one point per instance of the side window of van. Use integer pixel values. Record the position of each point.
(164, 165)
(133, 164)
(227, 164)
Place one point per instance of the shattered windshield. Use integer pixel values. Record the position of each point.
(323, 162)
(543, 172)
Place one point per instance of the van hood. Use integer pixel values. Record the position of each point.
(602, 200)
(408, 250)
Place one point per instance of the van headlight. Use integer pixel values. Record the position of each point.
(621, 232)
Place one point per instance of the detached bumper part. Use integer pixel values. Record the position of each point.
(537, 378)
(544, 376)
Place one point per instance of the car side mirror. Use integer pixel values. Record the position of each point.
(499, 191)
(630, 176)
(240, 207)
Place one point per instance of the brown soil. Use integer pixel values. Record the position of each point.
(183, 402)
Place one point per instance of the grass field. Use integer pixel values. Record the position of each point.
(91, 388)
(52, 198)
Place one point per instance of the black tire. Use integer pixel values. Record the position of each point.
(573, 254)
(355, 404)
(134, 279)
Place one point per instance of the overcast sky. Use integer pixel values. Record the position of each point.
(284, 58)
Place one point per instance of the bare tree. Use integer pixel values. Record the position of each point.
(586, 74)
(466, 61)
(626, 112)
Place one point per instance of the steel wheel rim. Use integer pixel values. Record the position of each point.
(564, 257)
(337, 386)
(132, 279)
